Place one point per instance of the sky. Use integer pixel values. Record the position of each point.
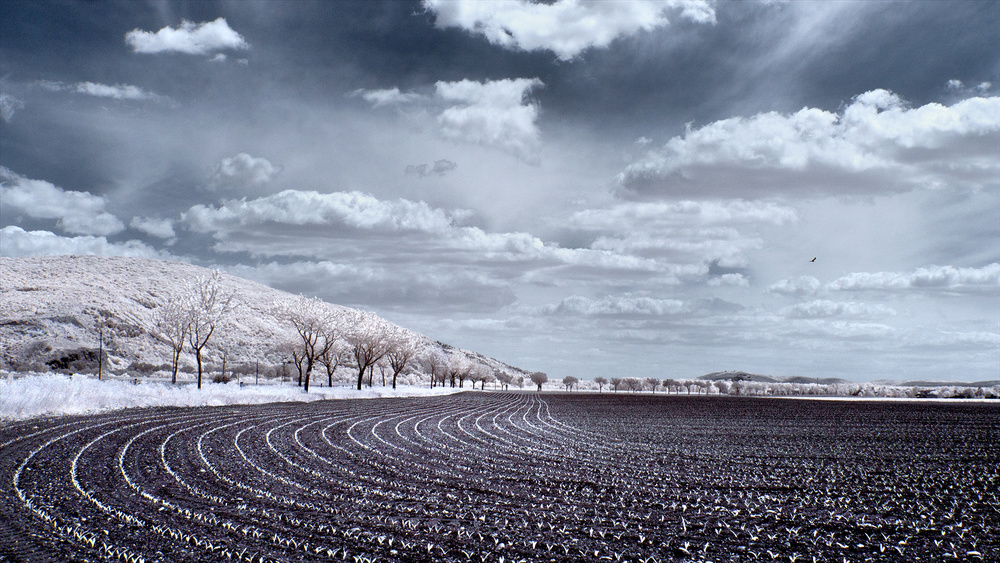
(631, 188)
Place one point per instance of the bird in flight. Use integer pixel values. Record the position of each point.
(813, 260)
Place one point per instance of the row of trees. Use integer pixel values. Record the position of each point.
(324, 335)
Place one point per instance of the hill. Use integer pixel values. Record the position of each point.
(746, 376)
(50, 307)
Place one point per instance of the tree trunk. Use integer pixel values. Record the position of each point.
(177, 359)
(197, 357)
(361, 376)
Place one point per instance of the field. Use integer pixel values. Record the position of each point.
(507, 477)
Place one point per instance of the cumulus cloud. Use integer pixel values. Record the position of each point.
(242, 171)
(615, 306)
(696, 233)
(352, 283)
(351, 209)
(308, 223)
(493, 113)
(440, 168)
(565, 27)
(387, 97)
(15, 241)
(190, 38)
(159, 228)
(822, 308)
(736, 280)
(9, 105)
(116, 91)
(685, 213)
(877, 143)
(932, 278)
(798, 287)
(77, 212)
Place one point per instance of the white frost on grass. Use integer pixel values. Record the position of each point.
(48, 395)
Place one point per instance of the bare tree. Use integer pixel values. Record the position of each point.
(670, 383)
(458, 368)
(172, 325)
(634, 384)
(601, 382)
(368, 343)
(209, 306)
(435, 362)
(314, 322)
(569, 381)
(652, 382)
(486, 376)
(402, 351)
(616, 382)
(333, 357)
(538, 378)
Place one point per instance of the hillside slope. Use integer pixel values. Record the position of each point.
(50, 306)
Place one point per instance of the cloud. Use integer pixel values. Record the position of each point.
(189, 38)
(616, 306)
(565, 27)
(822, 308)
(389, 97)
(77, 212)
(684, 232)
(9, 105)
(798, 287)
(736, 280)
(242, 171)
(159, 228)
(493, 113)
(15, 241)
(933, 278)
(440, 168)
(876, 143)
(354, 210)
(117, 91)
(358, 226)
(412, 286)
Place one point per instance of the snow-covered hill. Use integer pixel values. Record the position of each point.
(50, 306)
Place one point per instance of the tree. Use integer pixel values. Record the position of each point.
(172, 325)
(569, 381)
(332, 357)
(504, 377)
(652, 382)
(601, 382)
(367, 340)
(210, 304)
(314, 322)
(616, 382)
(670, 383)
(458, 368)
(634, 384)
(538, 378)
(435, 362)
(402, 351)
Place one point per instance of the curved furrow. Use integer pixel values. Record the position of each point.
(518, 476)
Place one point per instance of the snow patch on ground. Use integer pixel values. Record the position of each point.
(48, 395)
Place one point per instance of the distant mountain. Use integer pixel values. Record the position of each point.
(49, 307)
(990, 383)
(746, 376)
